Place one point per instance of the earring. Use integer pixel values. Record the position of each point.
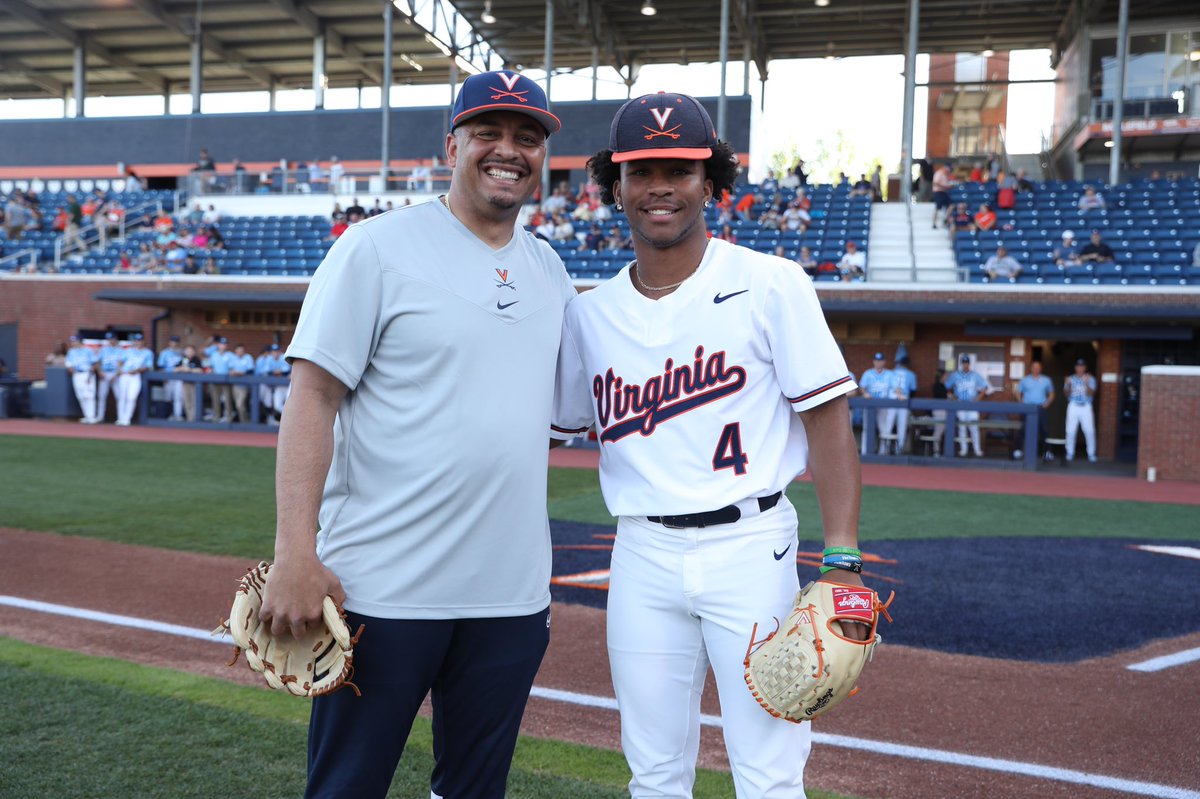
(706, 203)
(620, 207)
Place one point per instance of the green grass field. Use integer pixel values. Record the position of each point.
(109, 728)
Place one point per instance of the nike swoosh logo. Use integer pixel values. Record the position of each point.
(503, 305)
(719, 299)
(779, 555)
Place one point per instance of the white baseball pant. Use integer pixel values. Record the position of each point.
(901, 421)
(175, 392)
(1078, 416)
(85, 392)
(968, 431)
(107, 379)
(884, 419)
(680, 600)
(128, 388)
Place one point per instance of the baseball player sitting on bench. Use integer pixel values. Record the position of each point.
(712, 380)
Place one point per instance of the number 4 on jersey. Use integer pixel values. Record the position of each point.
(729, 453)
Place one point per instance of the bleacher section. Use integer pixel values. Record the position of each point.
(44, 237)
(1152, 227)
(836, 218)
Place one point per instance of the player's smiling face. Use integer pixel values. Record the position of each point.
(497, 160)
(664, 199)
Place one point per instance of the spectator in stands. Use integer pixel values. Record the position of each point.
(556, 202)
(146, 260)
(796, 218)
(843, 179)
(862, 187)
(59, 225)
(210, 267)
(1006, 192)
(376, 209)
(1091, 200)
(807, 261)
(770, 183)
(316, 176)
(336, 172)
(1002, 265)
(563, 229)
(985, 218)
(1096, 251)
(15, 216)
(194, 216)
(744, 209)
(124, 263)
(943, 181)
(959, 219)
(877, 183)
(594, 239)
(133, 184)
(1067, 253)
(211, 217)
(200, 239)
(204, 163)
(175, 258)
(190, 267)
(977, 174)
(800, 173)
(853, 264)
(355, 212)
(163, 222)
(109, 219)
(545, 227)
(727, 234)
(340, 224)
(1024, 185)
(617, 240)
(74, 223)
(215, 240)
(770, 219)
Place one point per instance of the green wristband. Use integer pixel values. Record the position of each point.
(842, 551)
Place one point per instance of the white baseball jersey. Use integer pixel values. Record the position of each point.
(435, 503)
(713, 372)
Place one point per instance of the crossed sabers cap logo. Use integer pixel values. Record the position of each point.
(510, 81)
(661, 115)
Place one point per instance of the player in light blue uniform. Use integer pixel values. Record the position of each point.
(1036, 389)
(262, 368)
(906, 385)
(220, 398)
(240, 365)
(168, 361)
(81, 363)
(278, 366)
(110, 357)
(880, 383)
(137, 360)
(967, 385)
(1080, 389)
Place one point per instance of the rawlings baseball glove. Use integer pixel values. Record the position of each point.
(807, 667)
(319, 663)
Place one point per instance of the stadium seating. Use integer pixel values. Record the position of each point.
(1152, 227)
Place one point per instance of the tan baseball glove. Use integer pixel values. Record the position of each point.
(807, 667)
(319, 663)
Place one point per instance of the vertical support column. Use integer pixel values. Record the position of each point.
(197, 72)
(595, 70)
(548, 49)
(319, 71)
(385, 98)
(1114, 157)
(910, 91)
(80, 89)
(271, 95)
(724, 65)
(746, 67)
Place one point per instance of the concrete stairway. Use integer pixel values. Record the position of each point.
(888, 258)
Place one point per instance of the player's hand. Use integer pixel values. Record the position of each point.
(293, 599)
(852, 630)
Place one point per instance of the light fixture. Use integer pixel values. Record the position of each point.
(487, 17)
(1108, 143)
(821, 3)
(1194, 55)
(988, 52)
(829, 52)
(648, 9)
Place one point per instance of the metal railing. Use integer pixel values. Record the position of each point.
(298, 180)
(90, 234)
(12, 263)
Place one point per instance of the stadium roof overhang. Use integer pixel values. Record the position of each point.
(205, 299)
(144, 46)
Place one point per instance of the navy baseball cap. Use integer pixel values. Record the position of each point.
(174, 338)
(110, 334)
(663, 125)
(1080, 362)
(502, 90)
(136, 337)
(273, 347)
(74, 338)
(222, 340)
(879, 356)
(964, 358)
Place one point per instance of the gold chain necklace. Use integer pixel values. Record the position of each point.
(445, 201)
(637, 277)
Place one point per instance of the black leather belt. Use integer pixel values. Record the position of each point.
(726, 515)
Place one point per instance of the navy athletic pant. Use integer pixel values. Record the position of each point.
(479, 671)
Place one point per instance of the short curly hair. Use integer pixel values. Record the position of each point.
(721, 168)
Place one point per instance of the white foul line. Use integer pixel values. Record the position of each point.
(844, 741)
(1179, 552)
(1167, 661)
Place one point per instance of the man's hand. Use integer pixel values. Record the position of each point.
(852, 630)
(294, 597)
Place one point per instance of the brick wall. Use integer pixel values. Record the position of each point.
(1168, 436)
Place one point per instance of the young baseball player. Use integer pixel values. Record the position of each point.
(137, 361)
(712, 380)
(1080, 389)
(108, 367)
(81, 363)
(428, 341)
(168, 361)
(967, 385)
(879, 382)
